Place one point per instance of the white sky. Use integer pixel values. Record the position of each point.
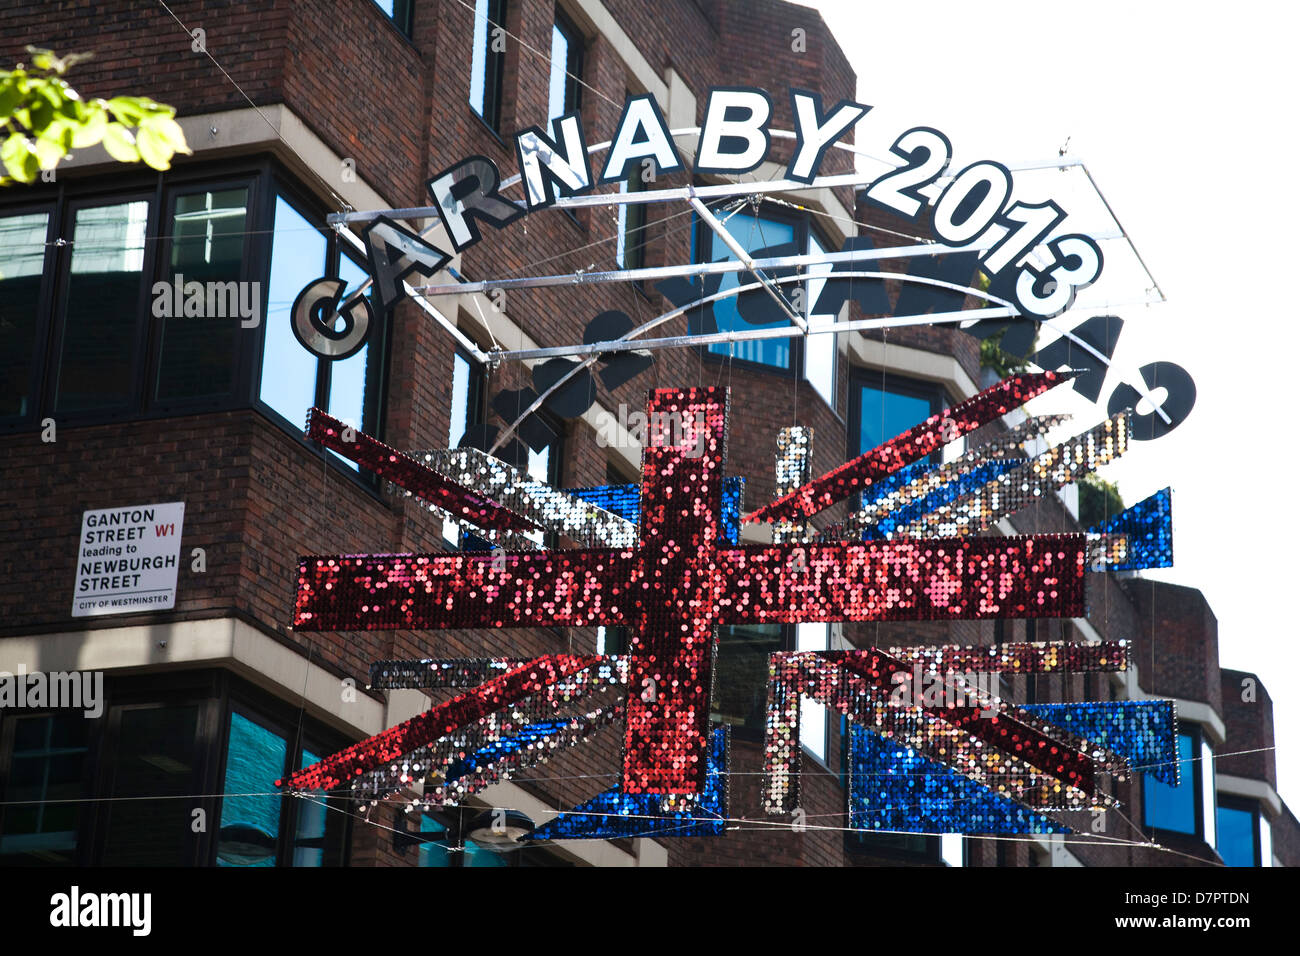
(1184, 114)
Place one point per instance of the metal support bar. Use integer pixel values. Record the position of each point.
(478, 354)
(741, 253)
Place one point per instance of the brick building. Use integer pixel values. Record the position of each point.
(297, 110)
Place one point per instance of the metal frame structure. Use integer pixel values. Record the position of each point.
(695, 196)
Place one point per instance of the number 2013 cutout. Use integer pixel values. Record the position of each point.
(974, 201)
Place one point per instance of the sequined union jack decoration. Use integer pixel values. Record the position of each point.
(682, 578)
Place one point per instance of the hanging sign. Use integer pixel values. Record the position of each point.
(976, 226)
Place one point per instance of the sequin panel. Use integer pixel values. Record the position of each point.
(912, 445)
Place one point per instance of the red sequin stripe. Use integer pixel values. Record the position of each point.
(938, 579)
(418, 479)
(335, 771)
(670, 653)
(431, 591)
(913, 445)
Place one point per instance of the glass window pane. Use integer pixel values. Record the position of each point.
(539, 469)
(559, 72)
(1236, 837)
(250, 815)
(813, 717)
(433, 853)
(478, 68)
(753, 233)
(476, 855)
(819, 350)
(47, 769)
(1173, 808)
(882, 415)
(200, 332)
(156, 757)
(102, 311)
(348, 379)
(1206, 771)
(630, 253)
(460, 420)
(22, 266)
(309, 833)
(740, 674)
(288, 369)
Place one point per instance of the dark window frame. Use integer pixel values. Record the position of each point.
(575, 61)
(1197, 782)
(42, 347)
(277, 717)
(896, 384)
(701, 239)
(57, 319)
(494, 66)
(280, 186)
(401, 17)
(740, 731)
(265, 179)
(1229, 801)
(244, 359)
(216, 693)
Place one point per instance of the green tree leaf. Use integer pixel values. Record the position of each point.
(49, 151)
(19, 158)
(91, 129)
(45, 119)
(164, 134)
(129, 110)
(154, 149)
(120, 143)
(10, 96)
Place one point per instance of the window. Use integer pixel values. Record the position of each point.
(170, 298)
(753, 233)
(123, 791)
(1240, 829)
(764, 236)
(207, 237)
(292, 379)
(566, 68)
(488, 61)
(612, 640)
(630, 253)
(814, 723)
(40, 818)
(1189, 807)
(952, 849)
(253, 820)
(740, 676)
(103, 301)
(250, 817)
(819, 350)
(25, 251)
(157, 759)
(467, 382)
(884, 406)
(399, 11)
